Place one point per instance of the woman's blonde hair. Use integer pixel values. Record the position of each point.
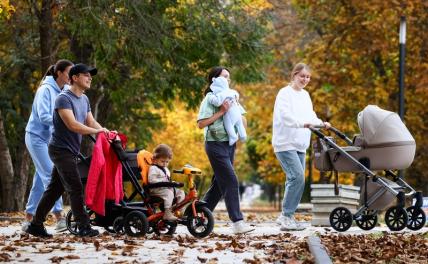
(298, 68)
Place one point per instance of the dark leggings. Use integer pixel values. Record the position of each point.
(224, 182)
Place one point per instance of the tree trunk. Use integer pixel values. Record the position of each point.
(6, 172)
(45, 31)
(22, 168)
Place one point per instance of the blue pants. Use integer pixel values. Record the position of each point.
(38, 149)
(293, 164)
(224, 182)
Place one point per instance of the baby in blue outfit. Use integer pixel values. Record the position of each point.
(232, 119)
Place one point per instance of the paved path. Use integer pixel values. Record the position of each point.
(221, 248)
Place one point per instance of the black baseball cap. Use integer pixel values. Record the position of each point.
(82, 68)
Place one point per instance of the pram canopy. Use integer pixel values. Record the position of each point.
(380, 127)
(384, 143)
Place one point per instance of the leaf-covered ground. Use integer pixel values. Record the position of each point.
(381, 247)
(267, 244)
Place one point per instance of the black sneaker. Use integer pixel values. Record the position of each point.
(87, 231)
(38, 231)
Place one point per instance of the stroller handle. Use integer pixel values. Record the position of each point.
(340, 134)
(92, 138)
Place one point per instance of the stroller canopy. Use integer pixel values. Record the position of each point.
(383, 128)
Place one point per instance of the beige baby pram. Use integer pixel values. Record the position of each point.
(385, 144)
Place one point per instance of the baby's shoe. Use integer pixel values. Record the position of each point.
(169, 215)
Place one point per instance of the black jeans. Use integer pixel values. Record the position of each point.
(224, 182)
(65, 176)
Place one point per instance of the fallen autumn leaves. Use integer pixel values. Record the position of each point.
(221, 247)
(380, 247)
(271, 248)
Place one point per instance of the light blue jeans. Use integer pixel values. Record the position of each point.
(293, 164)
(38, 149)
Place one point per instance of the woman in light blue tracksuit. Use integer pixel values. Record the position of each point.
(38, 133)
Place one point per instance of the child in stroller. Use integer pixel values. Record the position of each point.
(385, 145)
(197, 217)
(159, 172)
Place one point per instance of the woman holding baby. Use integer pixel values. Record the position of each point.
(220, 149)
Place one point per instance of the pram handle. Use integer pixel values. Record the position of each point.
(92, 138)
(335, 130)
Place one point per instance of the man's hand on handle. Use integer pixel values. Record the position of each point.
(103, 129)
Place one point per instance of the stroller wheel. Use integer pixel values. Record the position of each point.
(416, 217)
(135, 224)
(202, 224)
(396, 218)
(367, 220)
(71, 223)
(164, 227)
(118, 225)
(341, 219)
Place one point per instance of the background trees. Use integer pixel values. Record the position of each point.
(153, 57)
(352, 48)
(149, 53)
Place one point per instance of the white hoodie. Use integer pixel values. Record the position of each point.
(292, 110)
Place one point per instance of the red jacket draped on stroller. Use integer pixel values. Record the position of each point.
(105, 175)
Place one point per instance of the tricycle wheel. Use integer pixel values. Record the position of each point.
(202, 224)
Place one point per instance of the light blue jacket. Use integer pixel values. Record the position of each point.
(40, 122)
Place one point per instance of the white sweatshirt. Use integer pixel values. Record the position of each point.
(292, 110)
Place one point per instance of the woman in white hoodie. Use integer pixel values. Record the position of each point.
(293, 115)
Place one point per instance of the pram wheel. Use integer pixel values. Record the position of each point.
(341, 219)
(367, 220)
(71, 223)
(202, 224)
(396, 218)
(118, 225)
(416, 218)
(135, 224)
(163, 227)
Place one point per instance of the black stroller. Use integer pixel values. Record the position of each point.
(385, 145)
(125, 216)
(136, 218)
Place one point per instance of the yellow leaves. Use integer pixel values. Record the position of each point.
(181, 133)
(6, 9)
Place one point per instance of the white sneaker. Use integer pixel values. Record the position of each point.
(25, 225)
(290, 224)
(240, 227)
(280, 219)
(61, 225)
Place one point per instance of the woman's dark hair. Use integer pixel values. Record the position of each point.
(60, 65)
(214, 73)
